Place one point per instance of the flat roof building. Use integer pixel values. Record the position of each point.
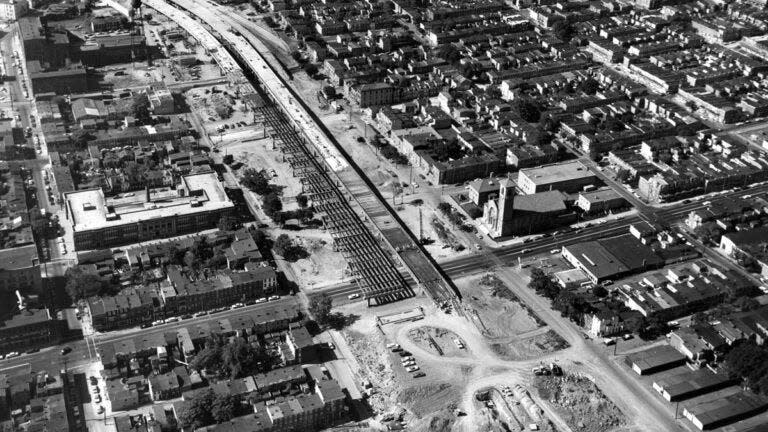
(566, 177)
(654, 360)
(611, 258)
(97, 221)
(719, 412)
(690, 384)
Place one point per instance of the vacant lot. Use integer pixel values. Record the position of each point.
(438, 341)
(530, 347)
(428, 398)
(495, 309)
(580, 403)
(323, 266)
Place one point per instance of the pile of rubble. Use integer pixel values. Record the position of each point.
(376, 368)
(580, 403)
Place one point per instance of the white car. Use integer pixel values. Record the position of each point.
(409, 363)
(412, 368)
(272, 298)
(261, 300)
(353, 296)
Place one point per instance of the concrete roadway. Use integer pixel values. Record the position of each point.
(83, 351)
(478, 262)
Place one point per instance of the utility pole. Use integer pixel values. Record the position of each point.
(421, 227)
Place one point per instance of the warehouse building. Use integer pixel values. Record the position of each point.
(690, 384)
(720, 412)
(611, 258)
(654, 360)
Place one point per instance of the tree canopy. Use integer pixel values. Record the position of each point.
(747, 361)
(81, 284)
(234, 360)
(320, 308)
(286, 248)
(256, 181)
(207, 408)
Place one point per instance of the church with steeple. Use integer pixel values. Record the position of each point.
(509, 213)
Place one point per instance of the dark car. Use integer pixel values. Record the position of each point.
(528, 240)
(404, 353)
(66, 350)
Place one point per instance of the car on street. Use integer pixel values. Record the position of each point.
(66, 350)
(353, 296)
(97, 399)
(412, 368)
(273, 298)
(100, 410)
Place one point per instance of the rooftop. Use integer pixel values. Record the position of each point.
(557, 173)
(91, 210)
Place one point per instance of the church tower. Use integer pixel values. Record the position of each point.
(504, 205)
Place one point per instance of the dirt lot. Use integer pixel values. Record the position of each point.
(421, 399)
(204, 100)
(579, 403)
(438, 341)
(258, 154)
(530, 347)
(496, 309)
(324, 266)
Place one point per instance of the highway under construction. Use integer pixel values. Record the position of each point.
(362, 224)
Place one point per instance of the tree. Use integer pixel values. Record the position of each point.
(450, 53)
(310, 69)
(224, 407)
(282, 244)
(255, 181)
(600, 291)
(239, 358)
(197, 413)
(228, 159)
(302, 200)
(271, 204)
(746, 360)
(141, 108)
(81, 137)
(445, 208)
(81, 284)
(623, 175)
(527, 110)
(746, 303)
(320, 308)
(589, 86)
(708, 233)
(563, 30)
(228, 223)
(217, 261)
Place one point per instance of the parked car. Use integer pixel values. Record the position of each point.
(353, 296)
(419, 374)
(273, 298)
(66, 350)
(412, 368)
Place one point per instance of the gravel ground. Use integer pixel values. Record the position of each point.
(580, 403)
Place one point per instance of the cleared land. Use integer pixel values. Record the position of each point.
(438, 341)
(580, 403)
